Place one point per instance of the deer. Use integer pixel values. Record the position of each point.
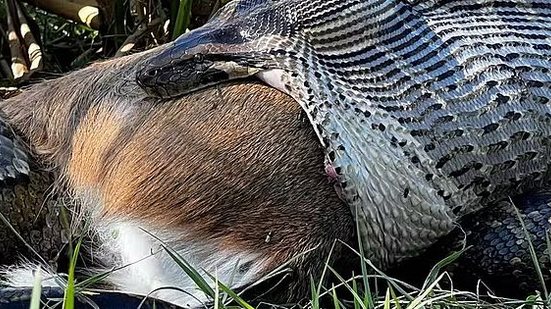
(236, 194)
(231, 178)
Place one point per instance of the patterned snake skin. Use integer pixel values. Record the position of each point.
(19, 298)
(27, 203)
(428, 110)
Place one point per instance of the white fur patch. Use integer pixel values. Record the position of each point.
(143, 266)
(149, 267)
(23, 276)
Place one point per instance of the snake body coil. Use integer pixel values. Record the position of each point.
(428, 110)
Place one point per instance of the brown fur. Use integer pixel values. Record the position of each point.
(230, 165)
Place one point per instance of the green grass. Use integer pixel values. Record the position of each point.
(434, 295)
(533, 255)
(182, 18)
(346, 293)
(69, 297)
(437, 291)
(37, 289)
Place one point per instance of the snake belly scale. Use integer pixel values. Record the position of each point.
(428, 110)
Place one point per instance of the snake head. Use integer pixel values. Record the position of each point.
(193, 72)
(199, 59)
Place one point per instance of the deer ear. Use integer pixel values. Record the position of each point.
(238, 8)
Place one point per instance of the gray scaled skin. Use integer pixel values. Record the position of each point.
(27, 202)
(427, 110)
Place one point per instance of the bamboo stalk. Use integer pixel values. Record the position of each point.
(86, 14)
(34, 52)
(19, 66)
(132, 39)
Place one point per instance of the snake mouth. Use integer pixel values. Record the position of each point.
(179, 78)
(193, 72)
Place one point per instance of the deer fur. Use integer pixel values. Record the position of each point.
(229, 177)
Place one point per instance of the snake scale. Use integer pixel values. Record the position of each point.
(19, 298)
(28, 204)
(428, 110)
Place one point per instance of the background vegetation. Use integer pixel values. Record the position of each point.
(41, 38)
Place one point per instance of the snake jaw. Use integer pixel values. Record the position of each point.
(193, 72)
(168, 82)
(201, 58)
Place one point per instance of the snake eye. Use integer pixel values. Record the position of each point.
(198, 57)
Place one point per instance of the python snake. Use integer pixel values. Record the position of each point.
(428, 110)
(27, 203)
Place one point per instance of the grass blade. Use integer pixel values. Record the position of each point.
(532, 250)
(367, 290)
(358, 303)
(171, 288)
(201, 283)
(182, 19)
(69, 297)
(37, 289)
(193, 274)
(386, 304)
(327, 262)
(336, 301)
(435, 271)
(416, 303)
(393, 295)
(233, 295)
(16, 233)
(216, 294)
(315, 295)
